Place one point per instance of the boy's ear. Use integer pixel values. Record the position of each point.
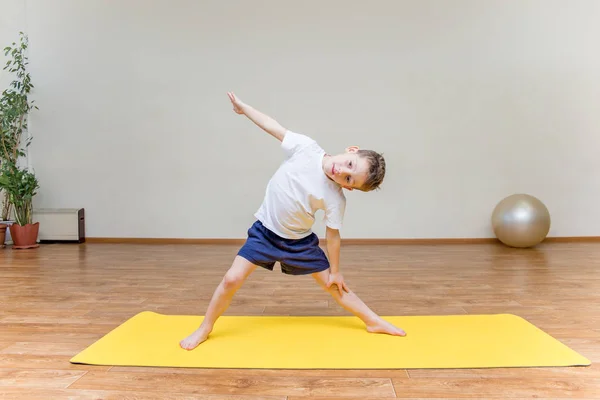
(352, 149)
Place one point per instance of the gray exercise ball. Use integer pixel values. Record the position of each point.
(521, 220)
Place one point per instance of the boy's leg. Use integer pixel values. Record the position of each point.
(352, 303)
(231, 282)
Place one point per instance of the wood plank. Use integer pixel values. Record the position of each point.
(61, 328)
(38, 378)
(339, 398)
(558, 387)
(241, 373)
(48, 311)
(58, 320)
(64, 337)
(35, 361)
(45, 348)
(588, 347)
(592, 371)
(412, 398)
(259, 385)
(72, 394)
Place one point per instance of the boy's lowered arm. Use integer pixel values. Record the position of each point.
(333, 251)
(263, 121)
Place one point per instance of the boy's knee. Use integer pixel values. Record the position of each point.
(321, 278)
(232, 281)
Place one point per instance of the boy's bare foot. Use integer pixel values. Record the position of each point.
(197, 337)
(382, 326)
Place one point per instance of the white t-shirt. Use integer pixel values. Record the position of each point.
(298, 189)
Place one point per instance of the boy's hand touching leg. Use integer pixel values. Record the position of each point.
(333, 250)
(338, 280)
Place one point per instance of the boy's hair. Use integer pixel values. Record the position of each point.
(376, 170)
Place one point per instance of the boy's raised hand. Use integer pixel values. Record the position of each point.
(263, 121)
(237, 103)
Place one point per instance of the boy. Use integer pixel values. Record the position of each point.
(308, 180)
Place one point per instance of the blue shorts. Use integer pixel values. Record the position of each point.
(296, 256)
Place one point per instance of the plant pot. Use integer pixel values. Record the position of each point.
(25, 237)
(3, 235)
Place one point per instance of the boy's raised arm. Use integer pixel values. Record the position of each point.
(265, 122)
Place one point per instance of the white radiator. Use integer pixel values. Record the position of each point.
(60, 224)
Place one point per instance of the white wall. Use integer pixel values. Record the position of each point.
(12, 21)
(469, 100)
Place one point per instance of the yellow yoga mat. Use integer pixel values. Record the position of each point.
(456, 341)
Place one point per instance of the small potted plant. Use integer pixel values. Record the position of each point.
(3, 227)
(19, 185)
(6, 206)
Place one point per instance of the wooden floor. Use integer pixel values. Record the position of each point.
(58, 299)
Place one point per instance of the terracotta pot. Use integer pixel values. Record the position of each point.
(25, 237)
(3, 235)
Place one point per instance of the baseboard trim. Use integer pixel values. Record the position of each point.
(391, 241)
(163, 240)
(571, 239)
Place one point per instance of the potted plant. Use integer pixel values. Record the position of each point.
(19, 185)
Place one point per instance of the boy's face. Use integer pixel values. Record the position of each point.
(348, 170)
